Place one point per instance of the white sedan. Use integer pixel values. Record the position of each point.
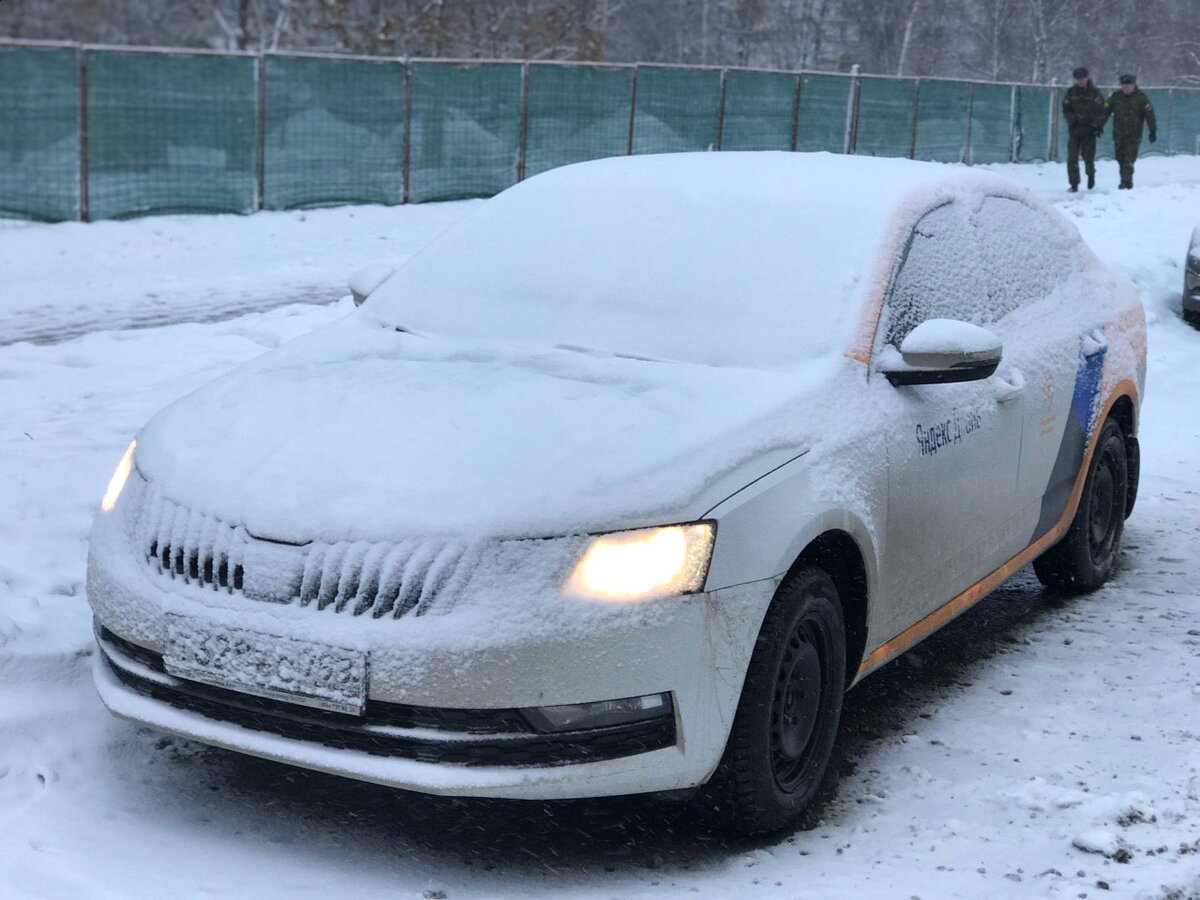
(619, 484)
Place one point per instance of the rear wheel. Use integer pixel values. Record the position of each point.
(787, 718)
(1084, 558)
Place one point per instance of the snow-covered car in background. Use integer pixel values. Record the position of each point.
(1191, 281)
(620, 483)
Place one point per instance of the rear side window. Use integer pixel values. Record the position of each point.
(938, 276)
(1025, 255)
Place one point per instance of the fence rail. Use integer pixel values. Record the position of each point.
(93, 132)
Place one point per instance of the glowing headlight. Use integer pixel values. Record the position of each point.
(649, 562)
(116, 484)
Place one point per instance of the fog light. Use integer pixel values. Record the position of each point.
(582, 716)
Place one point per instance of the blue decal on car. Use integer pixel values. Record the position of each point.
(1085, 402)
(1085, 406)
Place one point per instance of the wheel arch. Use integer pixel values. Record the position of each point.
(838, 553)
(1124, 413)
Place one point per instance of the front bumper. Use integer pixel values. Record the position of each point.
(695, 649)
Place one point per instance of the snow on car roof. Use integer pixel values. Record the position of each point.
(747, 259)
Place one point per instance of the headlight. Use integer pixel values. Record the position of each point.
(116, 484)
(649, 562)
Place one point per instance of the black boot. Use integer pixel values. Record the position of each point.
(1074, 189)
(1091, 180)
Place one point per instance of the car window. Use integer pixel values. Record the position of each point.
(1024, 254)
(938, 277)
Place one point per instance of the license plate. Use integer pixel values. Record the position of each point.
(311, 674)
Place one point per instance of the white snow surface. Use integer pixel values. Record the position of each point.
(1032, 749)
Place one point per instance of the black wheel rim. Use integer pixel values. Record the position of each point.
(1103, 514)
(798, 701)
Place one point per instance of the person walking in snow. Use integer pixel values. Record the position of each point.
(1130, 109)
(1084, 109)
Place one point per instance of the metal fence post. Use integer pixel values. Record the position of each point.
(965, 156)
(406, 158)
(1014, 125)
(84, 212)
(852, 108)
(260, 131)
(524, 136)
(1170, 118)
(796, 111)
(721, 108)
(632, 111)
(916, 115)
(1052, 150)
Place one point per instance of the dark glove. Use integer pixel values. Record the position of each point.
(1153, 136)
(1100, 131)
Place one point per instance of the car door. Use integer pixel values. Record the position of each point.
(953, 449)
(1057, 347)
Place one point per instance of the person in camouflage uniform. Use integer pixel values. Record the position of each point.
(1083, 108)
(1130, 109)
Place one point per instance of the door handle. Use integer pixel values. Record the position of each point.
(1094, 343)
(1009, 386)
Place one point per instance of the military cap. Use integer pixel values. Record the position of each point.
(1128, 79)
(1080, 72)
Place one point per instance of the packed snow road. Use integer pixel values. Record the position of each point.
(1036, 747)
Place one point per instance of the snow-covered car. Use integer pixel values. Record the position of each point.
(1191, 281)
(618, 485)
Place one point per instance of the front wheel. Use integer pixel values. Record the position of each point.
(1085, 557)
(787, 718)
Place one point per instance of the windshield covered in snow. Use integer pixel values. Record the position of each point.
(689, 257)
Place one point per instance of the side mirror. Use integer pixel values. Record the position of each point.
(364, 282)
(942, 351)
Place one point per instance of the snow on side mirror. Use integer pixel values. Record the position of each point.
(942, 351)
(364, 282)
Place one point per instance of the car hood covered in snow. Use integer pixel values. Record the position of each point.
(360, 432)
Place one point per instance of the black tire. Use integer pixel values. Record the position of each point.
(787, 718)
(1084, 558)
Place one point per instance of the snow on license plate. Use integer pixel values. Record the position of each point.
(317, 675)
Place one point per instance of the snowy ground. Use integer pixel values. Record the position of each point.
(1035, 748)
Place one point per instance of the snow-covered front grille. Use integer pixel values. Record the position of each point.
(187, 545)
(356, 578)
(380, 579)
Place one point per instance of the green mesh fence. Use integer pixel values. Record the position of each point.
(466, 130)
(675, 109)
(824, 103)
(942, 113)
(39, 133)
(885, 117)
(1164, 119)
(1184, 136)
(991, 124)
(759, 111)
(1034, 115)
(576, 113)
(177, 131)
(170, 133)
(335, 132)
